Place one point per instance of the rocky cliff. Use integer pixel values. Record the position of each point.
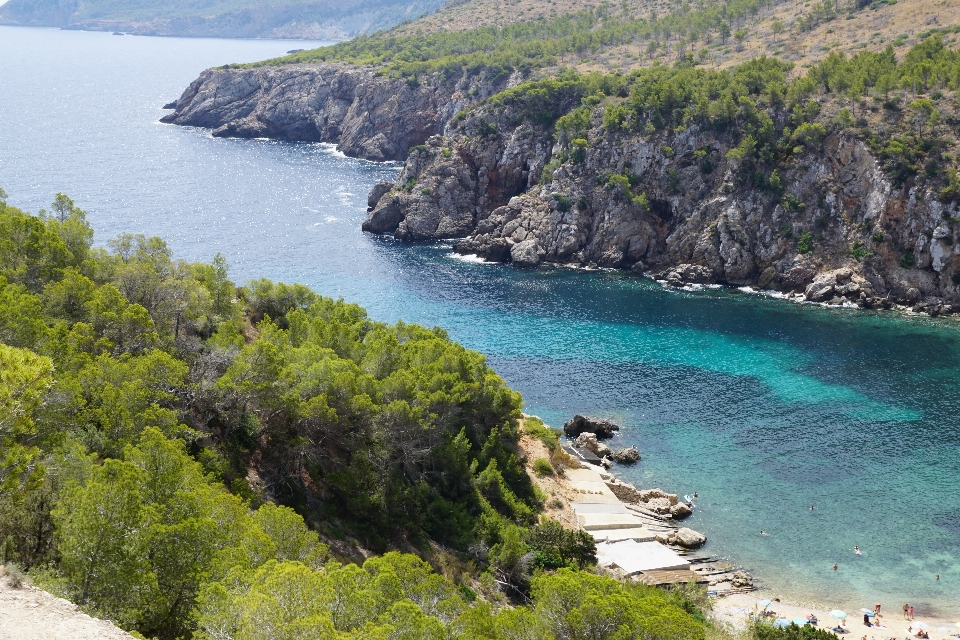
(835, 228)
(368, 115)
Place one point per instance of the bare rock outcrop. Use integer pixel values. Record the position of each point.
(367, 115)
(602, 429)
(839, 232)
(628, 455)
(684, 537)
(589, 442)
(741, 579)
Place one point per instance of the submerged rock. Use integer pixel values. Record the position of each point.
(603, 429)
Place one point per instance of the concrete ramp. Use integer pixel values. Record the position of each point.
(619, 535)
(592, 491)
(600, 521)
(599, 507)
(583, 475)
(635, 557)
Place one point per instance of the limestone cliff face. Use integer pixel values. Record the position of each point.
(839, 230)
(367, 115)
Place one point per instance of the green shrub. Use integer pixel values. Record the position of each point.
(578, 153)
(534, 426)
(542, 467)
(858, 252)
(877, 237)
(907, 260)
(793, 203)
(564, 203)
(805, 242)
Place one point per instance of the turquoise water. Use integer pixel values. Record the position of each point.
(762, 406)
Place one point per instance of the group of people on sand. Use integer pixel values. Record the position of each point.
(920, 632)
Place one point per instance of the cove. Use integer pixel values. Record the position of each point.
(761, 406)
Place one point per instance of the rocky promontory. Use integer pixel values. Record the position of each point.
(835, 228)
(367, 115)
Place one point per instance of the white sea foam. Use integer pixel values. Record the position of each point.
(468, 257)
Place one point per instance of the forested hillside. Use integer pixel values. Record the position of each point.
(154, 418)
(316, 19)
(619, 37)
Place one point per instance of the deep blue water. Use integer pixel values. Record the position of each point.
(763, 407)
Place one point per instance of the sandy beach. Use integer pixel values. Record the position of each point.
(735, 610)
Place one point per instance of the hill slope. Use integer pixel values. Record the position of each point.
(324, 19)
(807, 30)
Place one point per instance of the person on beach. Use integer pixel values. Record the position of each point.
(866, 619)
(876, 611)
(906, 610)
(911, 612)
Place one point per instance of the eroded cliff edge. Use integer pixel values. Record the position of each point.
(832, 226)
(367, 115)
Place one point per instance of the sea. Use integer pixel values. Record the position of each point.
(764, 407)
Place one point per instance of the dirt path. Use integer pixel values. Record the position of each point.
(29, 613)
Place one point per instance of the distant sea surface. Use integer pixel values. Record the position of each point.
(763, 407)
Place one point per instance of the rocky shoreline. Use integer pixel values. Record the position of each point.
(581, 485)
(840, 231)
(365, 114)
(499, 182)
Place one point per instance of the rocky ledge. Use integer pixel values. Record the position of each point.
(837, 231)
(366, 114)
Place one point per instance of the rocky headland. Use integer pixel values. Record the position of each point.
(491, 170)
(839, 230)
(365, 114)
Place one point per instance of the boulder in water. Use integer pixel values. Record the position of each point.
(630, 455)
(689, 538)
(603, 429)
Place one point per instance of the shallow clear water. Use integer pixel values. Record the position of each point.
(763, 407)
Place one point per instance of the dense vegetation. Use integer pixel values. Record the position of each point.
(152, 416)
(906, 110)
(525, 46)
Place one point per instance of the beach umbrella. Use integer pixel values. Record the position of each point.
(767, 603)
(799, 622)
(782, 623)
(868, 612)
(839, 615)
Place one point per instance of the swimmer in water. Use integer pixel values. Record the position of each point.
(763, 533)
(812, 507)
(834, 567)
(856, 550)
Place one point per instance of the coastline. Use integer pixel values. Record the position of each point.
(733, 612)
(733, 607)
